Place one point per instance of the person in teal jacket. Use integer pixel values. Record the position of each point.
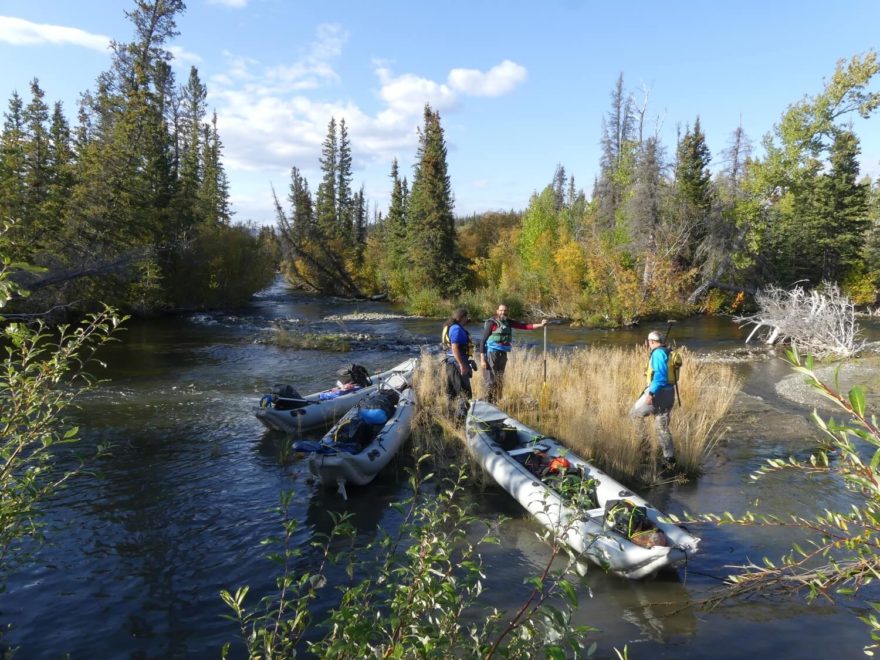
(657, 399)
(495, 344)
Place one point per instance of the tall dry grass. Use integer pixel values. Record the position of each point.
(433, 430)
(586, 400)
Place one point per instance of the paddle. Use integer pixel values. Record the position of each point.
(545, 398)
(305, 402)
(669, 323)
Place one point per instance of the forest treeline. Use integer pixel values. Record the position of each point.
(662, 232)
(130, 206)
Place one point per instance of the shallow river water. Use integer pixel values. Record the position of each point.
(141, 544)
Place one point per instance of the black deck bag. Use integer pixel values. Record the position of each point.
(354, 373)
(284, 397)
(506, 437)
(354, 433)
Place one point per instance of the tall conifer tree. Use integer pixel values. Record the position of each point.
(192, 149)
(13, 167)
(345, 212)
(434, 258)
(325, 198)
(213, 192)
(693, 192)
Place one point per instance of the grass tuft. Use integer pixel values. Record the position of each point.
(585, 404)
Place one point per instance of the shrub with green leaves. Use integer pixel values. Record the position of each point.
(42, 372)
(415, 593)
(841, 554)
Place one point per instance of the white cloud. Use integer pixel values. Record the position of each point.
(407, 94)
(314, 68)
(498, 80)
(20, 32)
(235, 4)
(183, 56)
(272, 117)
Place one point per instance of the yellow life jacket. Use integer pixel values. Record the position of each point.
(674, 362)
(447, 345)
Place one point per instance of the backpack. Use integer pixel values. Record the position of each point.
(354, 433)
(673, 366)
(631, 521)
(354, 373)
(284, 397)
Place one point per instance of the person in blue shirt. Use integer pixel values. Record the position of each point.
(458, 363)
(657, 400)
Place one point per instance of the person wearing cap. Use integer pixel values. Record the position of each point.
(495, 344)
(657, 400)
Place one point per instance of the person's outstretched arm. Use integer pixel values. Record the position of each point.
(528, 326)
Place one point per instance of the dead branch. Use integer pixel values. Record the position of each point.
(820, 322)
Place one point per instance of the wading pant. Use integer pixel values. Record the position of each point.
(493, 374)
(458, 391)
(660, 408)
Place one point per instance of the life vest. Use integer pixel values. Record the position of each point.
(501, 337)
(673, 365)
(447, 345)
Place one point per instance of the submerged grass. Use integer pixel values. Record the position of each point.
(335, 342)
(585, 404)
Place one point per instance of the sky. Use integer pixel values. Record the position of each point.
(521, 87)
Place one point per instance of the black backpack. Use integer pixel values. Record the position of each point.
(354, 373)
(284, 397)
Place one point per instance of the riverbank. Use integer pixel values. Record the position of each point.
(863, 371)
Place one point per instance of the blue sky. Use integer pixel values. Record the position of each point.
(521, 86)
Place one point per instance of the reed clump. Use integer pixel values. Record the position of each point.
(585, 403)
(301, 340)
(433, 431)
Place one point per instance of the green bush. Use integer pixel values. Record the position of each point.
(43, 372)
(841, 549)
(221, 266)
(420, 597)
(427, 302)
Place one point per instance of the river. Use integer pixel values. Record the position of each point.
(142, 543)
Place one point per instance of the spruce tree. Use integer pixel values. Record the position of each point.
(36, 119)
(718, 252)
(191, 148)
(559, 187)
(301, 202)
(394, 256)
(841, 210)
(434, 259)
(345, 212)
(61, 162)
(213, 192)
(359, 212)
(693, 192)
(619, 149)
(645, 207)
(325, 198)
(13, 171)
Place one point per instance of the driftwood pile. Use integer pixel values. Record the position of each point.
(820, 322)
